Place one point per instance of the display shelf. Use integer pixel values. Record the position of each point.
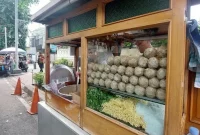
(125, 94)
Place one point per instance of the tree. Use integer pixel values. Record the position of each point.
(7, 19)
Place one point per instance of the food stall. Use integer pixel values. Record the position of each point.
(121, 92)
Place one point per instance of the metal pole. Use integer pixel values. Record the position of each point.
(16, 35)
(6, 37)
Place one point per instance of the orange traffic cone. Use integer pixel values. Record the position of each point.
(18, 88)
(34, 106)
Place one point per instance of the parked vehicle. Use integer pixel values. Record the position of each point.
(23, 63)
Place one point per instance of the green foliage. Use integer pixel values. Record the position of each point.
(157, 43)
(96, 97)
(63, 62)
(128, 44)
(7, 19)
(39, 78)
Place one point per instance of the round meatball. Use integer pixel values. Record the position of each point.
(125, 79)
(130, 88)
(107, 69)
(143, 82)
(124, 60)
(150, 73)
(93, 74)
(129, 71)
(111, 76)
(133, 62)
(117, 78)
(114, 85)
(90, 80)
(133, 80)
(154, 83)
(139, 71)
(108, 83)
(161, 73)
(139, 90)
(150, 92)
(101, 68)
(96, 81)
(162, 51)
(89, 72)
(150, 52)
(98, 75)
(153, 62)
(90, 66)
(163, 83)
(114, 69)
(142, 62)
(101, 82)
(122, 86)
(117, 60)
(121, 70)
(104, 76)
(160, 94)
(110, 61)
(163, 62)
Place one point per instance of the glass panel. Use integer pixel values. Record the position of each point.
(83, 21)
(122, 9)
(55, 30)
(127, 78)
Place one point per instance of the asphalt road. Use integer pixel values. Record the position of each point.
(14, 119)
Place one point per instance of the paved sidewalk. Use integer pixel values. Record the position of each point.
(26, 81)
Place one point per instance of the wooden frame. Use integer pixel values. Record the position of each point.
(175, 17)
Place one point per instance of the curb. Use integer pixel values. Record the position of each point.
(30, 92)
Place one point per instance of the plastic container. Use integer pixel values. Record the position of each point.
(193, 131)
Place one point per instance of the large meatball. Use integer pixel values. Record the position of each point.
(98, 75)
(96, 81)
(130, 88)
(117, 60)
(101, 68)
(142, 62)
(93, 74)
(150, 52)
(90, 80)
(125, 79)
(104, 76)
(133, 80)
(121, 70)
(143, 82)
(101, 82)
(95, 67)
(162, 51)
(108, 83)
(133, 62)
(90, 66)
(107, 68)
(153, 62)
(139, 71)
(111, 76)
(89, 72)
(118, 78)
(114, 85)
(129, 71)
(150, 73)
(150, 92)
(124, 60)
(163, 62)
(154, 82)
(122, 86)
(110, 61)
(114, 69)
(160, 94)
(139, 90)
(161, 73)
(163, 83)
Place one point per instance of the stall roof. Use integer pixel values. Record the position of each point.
(56, 8)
